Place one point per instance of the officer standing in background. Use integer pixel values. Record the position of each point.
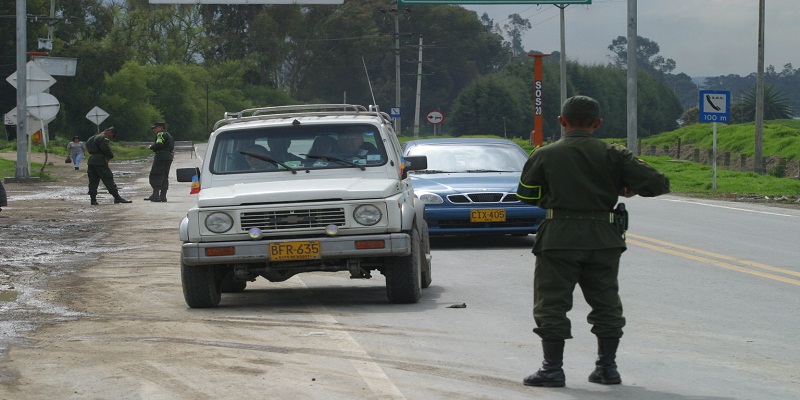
(99, 147)
(164, 147)
(3, 197)
(579, 179)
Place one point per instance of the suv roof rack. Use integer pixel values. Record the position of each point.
(299, 110)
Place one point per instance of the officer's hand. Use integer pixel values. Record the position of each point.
(626, 192)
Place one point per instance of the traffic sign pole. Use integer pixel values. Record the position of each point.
(714, 164)
(715, 106)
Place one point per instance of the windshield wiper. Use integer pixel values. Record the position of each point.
(337, 159)
(268, 159)
(486, 170)
(430, 171)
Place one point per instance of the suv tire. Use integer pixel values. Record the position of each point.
(201, 285)
(426, 257)
(403, 274)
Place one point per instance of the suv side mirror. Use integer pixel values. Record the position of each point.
(186, 174)
(414, 163)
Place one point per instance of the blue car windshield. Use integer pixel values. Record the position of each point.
(297, 148)
(470, 157)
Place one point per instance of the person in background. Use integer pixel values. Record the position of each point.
(99, 147)
(76, 150)
(257, 164)
(323, 146)
(163, 146)
(352, 144)
(279, 149)
(3, 197)
(578, 180)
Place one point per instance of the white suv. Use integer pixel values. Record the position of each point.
(291, 189)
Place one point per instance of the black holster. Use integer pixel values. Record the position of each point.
(621, 218)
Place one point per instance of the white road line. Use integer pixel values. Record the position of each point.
(371, 373)
(730, 208)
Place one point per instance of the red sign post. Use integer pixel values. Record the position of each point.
(537, 134)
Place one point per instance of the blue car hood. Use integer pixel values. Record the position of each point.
(465, 182)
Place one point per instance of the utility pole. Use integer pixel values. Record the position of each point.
(633, 82)
(395, 11)
(419, 90)
(22, 169)
(397, 127)
(758, 162)
(563, 61)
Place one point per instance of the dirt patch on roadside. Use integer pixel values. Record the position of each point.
(47, 231)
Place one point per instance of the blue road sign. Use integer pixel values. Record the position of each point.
(715, 106)
(394, 112)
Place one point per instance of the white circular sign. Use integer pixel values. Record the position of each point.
(43, 106)
(435, 117)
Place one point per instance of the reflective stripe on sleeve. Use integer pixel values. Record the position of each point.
(528, 192)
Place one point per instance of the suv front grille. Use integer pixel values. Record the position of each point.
(483, 198)
(292, 219)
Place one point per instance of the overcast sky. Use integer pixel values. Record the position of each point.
(704, 37)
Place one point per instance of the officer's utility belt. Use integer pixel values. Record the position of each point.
(618, 217)
(606, 216)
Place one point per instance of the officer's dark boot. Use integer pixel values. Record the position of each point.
(94, 199)
(605, 371)
(550, 374)
(152, 196)
(163, 196)
(118, 199)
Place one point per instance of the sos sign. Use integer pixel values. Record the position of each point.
(715, 106)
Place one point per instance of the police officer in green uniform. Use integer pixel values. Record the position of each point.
(163, 147)
(99, 147)
(3, 197)
(578, 180)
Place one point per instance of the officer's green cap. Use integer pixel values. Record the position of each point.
(161, 124)
(580, 106)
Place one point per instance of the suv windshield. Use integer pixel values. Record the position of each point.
(297, 147)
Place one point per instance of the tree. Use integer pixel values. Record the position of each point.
(659, 109)
(684, 88)
(8, 43)
(646, 55)
(775, 104)
(515, 29)
(500, 101)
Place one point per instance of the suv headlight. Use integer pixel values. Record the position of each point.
(367, 214)
(430, 198)
(219, 222)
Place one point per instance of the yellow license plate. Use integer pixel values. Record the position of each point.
(290, 251)
(490, 215)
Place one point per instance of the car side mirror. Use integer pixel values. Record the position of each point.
(186, 174)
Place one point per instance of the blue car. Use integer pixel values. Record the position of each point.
(470, 185)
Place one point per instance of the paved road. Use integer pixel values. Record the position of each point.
(710, 290)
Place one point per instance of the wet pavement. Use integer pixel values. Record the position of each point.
(47, 231)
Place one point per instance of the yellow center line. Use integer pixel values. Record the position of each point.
(687, 252)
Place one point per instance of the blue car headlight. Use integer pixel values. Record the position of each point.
(430, 198)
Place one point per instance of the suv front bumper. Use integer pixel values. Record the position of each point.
(256, 251)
